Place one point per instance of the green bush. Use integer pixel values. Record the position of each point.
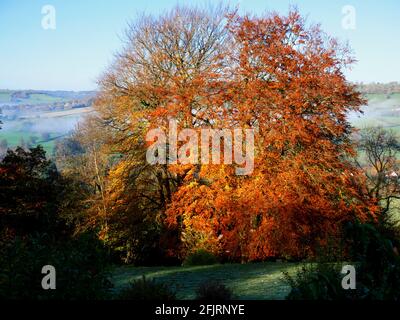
(200, 258)
(144, 289)
(377, 263)
(213, 291)
(316, 281)
(81, 268)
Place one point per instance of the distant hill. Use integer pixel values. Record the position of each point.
(27, 103)
(379, 88)
(35, 97)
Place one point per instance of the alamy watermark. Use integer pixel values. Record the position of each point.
(202, 146)
(349, 280)
(49, 280)
(49, 17)
(349, 17)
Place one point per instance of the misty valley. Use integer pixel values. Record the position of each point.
(32, 117)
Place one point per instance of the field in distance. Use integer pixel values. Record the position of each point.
(42, 117)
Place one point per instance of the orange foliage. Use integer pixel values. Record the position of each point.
(288, 83)
(274, 74)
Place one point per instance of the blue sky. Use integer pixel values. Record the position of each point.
(88, 33)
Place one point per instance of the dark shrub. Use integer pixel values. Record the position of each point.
(81, 268)
(200, 258)
(144, 289)
(377, 262)
(33, 234)
(213, 290)
(318, 281)
(30, 186)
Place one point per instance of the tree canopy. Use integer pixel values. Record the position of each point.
(219, 69)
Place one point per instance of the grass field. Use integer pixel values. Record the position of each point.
(252, 281)
(37, 98)
(55, 124)
(381, 111)
(14, 139)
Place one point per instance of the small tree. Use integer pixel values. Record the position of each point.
(29, 192)
(380, 151)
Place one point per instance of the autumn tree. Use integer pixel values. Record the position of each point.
(288, 83)
(216, 69)
(166, 64)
